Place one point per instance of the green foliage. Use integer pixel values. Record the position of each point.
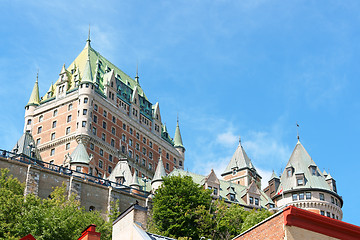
(184, 210)
(54, 218)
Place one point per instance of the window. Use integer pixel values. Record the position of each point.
(55, 113)
(54, 124)
(105, 113)
(143, 162)
(130, 154)
(336, 201)
(137, 158)
(70, 107)
(41, 118)
(52, 152)
(321, 196)
(251, 200)
(174, 160)
(144, 140)
(333, 216)
(52, 136)
(131, 131)
(91, 146)
(289, 172)
(144, 151)
(114, 119)
(109, 169)
(86, 100)
(137, 135)
(232, 197)
(67, 130)
(110, 158)
(150, 166)
(38, 141)
(328, 214)
(29, 122)
(322, 212)
(300, 181)
(123, 137)
(294, 197)
(308, 195)
(90, 171)
(101, 152)
(103, 136)
(167, 166)
(83, 123)
(113, 131)
(104, 125)
(313, 170)
(78, 168)
(137, 146)
(130, 142)
(257, 201)
(95, 118)
(301, 196)
(68, 118)
(150, 155)
(167, 155)
(124, 126)
(332, 200)
(39, 130)
(150, 144)
(215, 191)
(180, 163)
(95, 107)
(100, 164)
(84, 111)
(94, 130)
(112, 142)
(67, 146)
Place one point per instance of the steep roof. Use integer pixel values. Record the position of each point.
(159, 172)
(121, 169)
(239, 160)
(25, 145)
(300, 161)
(80, 155)
(177, 138)
(273, 175)
(226, 187)
(34, 97)
(134, 181)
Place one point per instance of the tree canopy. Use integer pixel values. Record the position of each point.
(55, 218)
(185, 210)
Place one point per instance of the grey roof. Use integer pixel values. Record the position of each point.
(273, 175)
(134, 181)
(160, 171)
(225, 188)
(25, 145)
(328, 177)
(238, 161)
(300, 161)
(177, 137)
(121, 169)
(80, 155)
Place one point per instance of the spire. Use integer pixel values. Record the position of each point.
(134, 181)
(63, 70)
(87, 75)
(177, 138)
(34, 97)
(159, 172)
(274, 175)
(298, 137)
(26, 145)
(137, 73)
(80, 155)
(88, 39)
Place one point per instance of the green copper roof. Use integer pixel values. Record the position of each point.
(80, 155)
(299, 163)
(87, 75)
(239, 160)
(34, 97)
(160, 171)
(26, 145)
(177, 138)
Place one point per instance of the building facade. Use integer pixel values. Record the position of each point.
(95, 115)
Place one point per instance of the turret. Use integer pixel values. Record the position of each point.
(34, 101)
(159, 174)
(178, 144)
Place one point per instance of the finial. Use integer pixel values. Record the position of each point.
(88, 40)
(298, 137)
(137, 72)
(239, 140)
(177, 118)
(37, 75)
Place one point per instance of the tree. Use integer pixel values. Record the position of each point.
(174, 207)
(54, 218)
(254, 217)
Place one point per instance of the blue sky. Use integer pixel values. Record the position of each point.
(228, 68)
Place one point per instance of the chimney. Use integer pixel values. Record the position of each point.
(90, 234)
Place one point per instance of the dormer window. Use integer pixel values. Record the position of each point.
(256, 201)
(300, 181)
(289, 172)
(251, 200)
(233, 171)
(232, 197)
(312, 169)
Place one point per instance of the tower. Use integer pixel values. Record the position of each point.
(31, 105)
(178, 144)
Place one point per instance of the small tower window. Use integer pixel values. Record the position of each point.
(41, 118)
(55, 113)
(29, 122)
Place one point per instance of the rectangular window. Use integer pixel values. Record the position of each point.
(84, 111)
(90, 171)
(109, 169)
(131, 131)
(137, 135)
(70, 107)
(144, 140)
(322, 212)
(289, 172)
(232, 197)
(83, 124)
(137, 146)
(257, 201)
(55, 113)
(67, 146)
(112, 142)
(95, 118)
(110, 158)
(301, 196)
(101, 152)
(150, 144)
(336, 201)
(67, 130)
(39, 130)
(328, 214)
(215, 191)
(167, 166)
(321, 196)
(124, 126)
(68, 118)
(137, 158)
(114, 119)
(332, 200)
(38, 141)
(251, 200)
(52, 136)
(113, 131)
(91, 146)
(78, 168)
(103, 136)
(94, 130)
(104, 125)
(150, 155)
(52, 152)
(150, 166)
(333, 216)
(294, 197)
(167, 155)
(54, 124)
(144, 151)
(308, 195)
(300, 181)
(95, 107)
(180, 163)
(86, 100)
(143, 162)
(100, 164)
(105, 113)
(130, 154)
(130, 142)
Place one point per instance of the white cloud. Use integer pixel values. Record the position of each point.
(265, 174)
(227, 139)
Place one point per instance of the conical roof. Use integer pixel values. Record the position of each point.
(328, 177)
(159, 172)
(26, 145)
(273, 175)
(177, 138)
(300, 161)
(87, 75)
(34, 97)
(239, 160)
(134, 181)
(80, 155)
